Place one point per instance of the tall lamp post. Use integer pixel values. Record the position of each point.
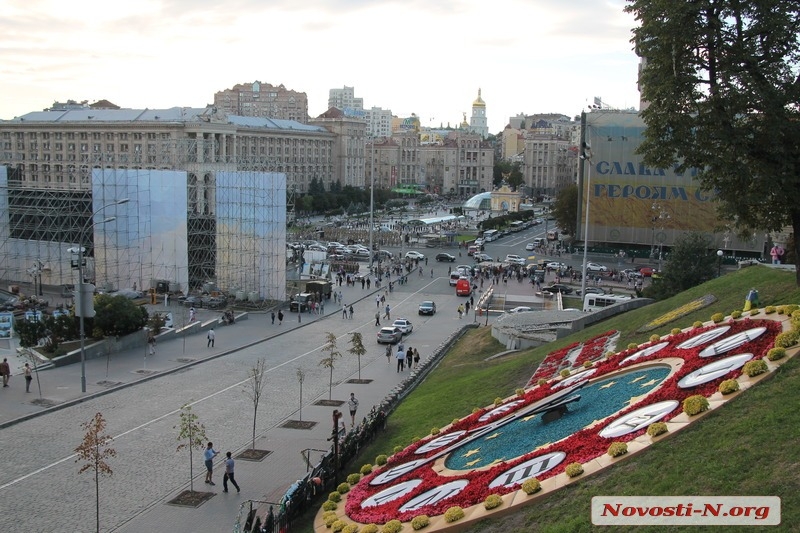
(720, 253)
(371, 202)
(586, 155)
(80, 299)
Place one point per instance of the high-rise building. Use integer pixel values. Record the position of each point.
(379, 122)
(344, 99)
(477, 122)
(263, 100)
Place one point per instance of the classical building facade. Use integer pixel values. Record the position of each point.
(348, 147)
(263, 100)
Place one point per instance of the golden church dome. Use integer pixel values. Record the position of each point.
(479, 101)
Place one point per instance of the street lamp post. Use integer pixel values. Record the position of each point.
(720, 253)
(371, 203)
(586, 156)
(80, 308)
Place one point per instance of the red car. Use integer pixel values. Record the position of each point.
(646, 271)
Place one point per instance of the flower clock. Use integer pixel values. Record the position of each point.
(538, 433)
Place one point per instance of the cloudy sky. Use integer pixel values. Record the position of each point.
(410, 56)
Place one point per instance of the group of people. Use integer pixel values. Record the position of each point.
(5, 373)
(405, 358)
(208, 457)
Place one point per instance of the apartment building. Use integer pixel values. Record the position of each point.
(263, 100)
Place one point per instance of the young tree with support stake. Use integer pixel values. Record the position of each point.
(95, 450)
(330, 361)
(721, 83)
(357, 348)
(255, 389)
(191, 435)
(301, 377)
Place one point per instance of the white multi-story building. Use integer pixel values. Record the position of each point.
(379, 122)
(345, 100)
(477, 122)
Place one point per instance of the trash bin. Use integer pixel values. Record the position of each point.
(751, 302)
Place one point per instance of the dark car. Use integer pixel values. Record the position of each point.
(192, 301)
(557, 287)
(445, 257)
(427, 308)
(591, 290)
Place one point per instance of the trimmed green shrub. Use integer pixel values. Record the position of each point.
(617, 448)
(335, 497)
(776, 353)
(697, 324)
(476, 410)
(769, 309)
(338, 526)
(632, 346)
(786, 339)
(365, 469)
(675, 331)
(392, 526)
(736, 314)
(454, 513)
(694, 405)
(587, 364)
(574, 469)
(657, 428)
(381, 459)
(398, 449)
(354, 478)
(564, 373)
(755, 367)
(329, 506)
(418, 522)
(369, 528)
(329, 520)
(414, 440)
(343, 488)
(435, 430)
(655, 338)
(541, 381)
(716, 318)
(350, 528)
(520, 392)
(498, 401)
(455, 421)
(729, 386)
(492, 501)
(531, 486)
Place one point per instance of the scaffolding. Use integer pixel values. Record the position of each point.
(201, 212)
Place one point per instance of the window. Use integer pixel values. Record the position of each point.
(96, 136)
(109, 147)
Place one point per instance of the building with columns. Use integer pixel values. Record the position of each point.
(348, 146)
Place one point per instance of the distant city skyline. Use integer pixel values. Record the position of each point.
(430, 59)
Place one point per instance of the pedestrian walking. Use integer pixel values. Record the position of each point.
(280, 317)
(208, 456)
(352, 404)
(388, 354)
(273, 318)
(377, 301)
(211, 336)
(344, 311)
(351, 312)
(388, 315)
(409, 357)
(431, 272)
(192, 314)
(26, 370)
(152, 345)
(460, 311)
(5, 371)
(416, 358)
(378, 318)
(401, 358)
(228, 475)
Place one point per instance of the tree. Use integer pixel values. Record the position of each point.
(330, 361)
(722, 89)
(191, 435)
(94, 450)
(357, 348)
(565, 209)
(301, 377)
(118, 315)
(689, 264)
(256, 383)
(515, 177)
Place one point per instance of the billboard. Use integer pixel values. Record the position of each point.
(631, 203)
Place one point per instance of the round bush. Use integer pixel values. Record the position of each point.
(632, 346)
(776, 353)
(454, 513)
(786, 339)
(564, 373)
(414, 440)
(694, 405)
(392, 526)
(736, 314)
(418, 522)
(769, 309)
(754, 311)
(520, 392)
(398, 449)
(350, 528)
(369, 528)
(329, 520)
(716, 318)
(541, 381)
(328, 514)
(755, 367)
(476, 410)
(574, 469)
(335, 497)
(381, 459)
(329, 506)
(729, 386)
(455, 421)
(492, 501)
(365, 469)
(697, 324)
(343, 488)
(498, 401)
(338, 526)
(434, 430)
(608, 354)
(617, 448)
(531, 486)
(354, 478)
(587, 364)
(675, 331)
(655, 338)
(657, 428)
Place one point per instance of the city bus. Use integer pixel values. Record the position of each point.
(595, 302)
(490, 235)
(517, 225)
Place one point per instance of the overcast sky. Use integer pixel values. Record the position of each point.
(410, 56)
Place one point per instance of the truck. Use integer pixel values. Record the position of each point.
(301, 302)
(320, 287)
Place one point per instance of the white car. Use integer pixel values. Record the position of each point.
(517, 260)
(520, 309)
(529, 247)
(404, 325)
(555, 265)
(415, 255)
(596, 267)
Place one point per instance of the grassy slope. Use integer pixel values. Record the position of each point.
(748, 447)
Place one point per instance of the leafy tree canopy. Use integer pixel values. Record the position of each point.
(565, 209)
(689, 264)
(721, 82)
(118, 315)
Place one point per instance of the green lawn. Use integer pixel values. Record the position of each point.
(749, 447)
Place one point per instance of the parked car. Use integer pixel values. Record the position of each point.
(647, 272)
(415, 255)
(383, 254)
(591, 290)
(515, 259)
(557, 287)
(556, 265)
(596, 267)
(483, 258)
(529, 247)
(454, 277)
(389, 335)
(404, 325)
(445, 257)
(427, 308)
(520, 309)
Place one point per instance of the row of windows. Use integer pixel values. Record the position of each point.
(83, 135)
